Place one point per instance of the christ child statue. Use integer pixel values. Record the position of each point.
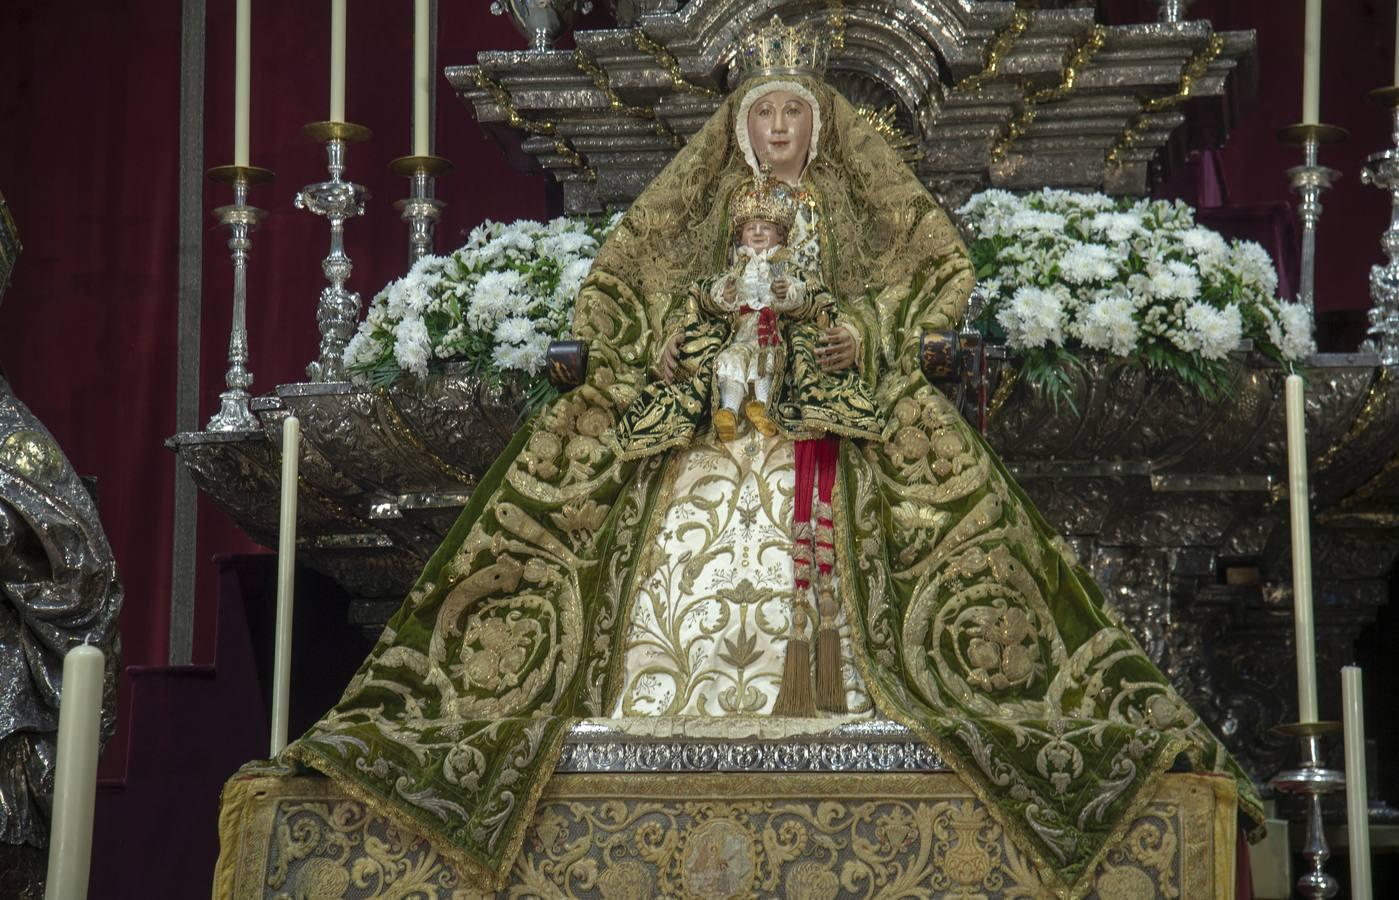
(750, 345)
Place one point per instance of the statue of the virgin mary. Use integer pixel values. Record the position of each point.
(576, 584)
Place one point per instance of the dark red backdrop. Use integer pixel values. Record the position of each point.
(89, 124)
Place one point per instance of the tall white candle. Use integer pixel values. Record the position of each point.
(1357, 798)
(1301, 549)
(242, 78)
(1311, 65)
(286, 570)
(422, 79)
(75, 781)
(337, 60)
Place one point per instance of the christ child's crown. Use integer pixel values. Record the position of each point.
(766, 198)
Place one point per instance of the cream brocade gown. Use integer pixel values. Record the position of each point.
(709, 623)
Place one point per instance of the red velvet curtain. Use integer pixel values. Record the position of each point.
(89, 125)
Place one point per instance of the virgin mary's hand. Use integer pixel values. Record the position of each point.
(836, 350)
(670, 357)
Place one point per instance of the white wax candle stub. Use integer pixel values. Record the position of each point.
(337, 60)
(1311, 65)
(242, 78)
(1301, 549)
(75, 778)
(286, 572)
(1357, 784)
(422, 79)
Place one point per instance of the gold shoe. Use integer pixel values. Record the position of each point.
(726, 425)
(757, 413)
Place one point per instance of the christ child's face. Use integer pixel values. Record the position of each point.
(760, 234)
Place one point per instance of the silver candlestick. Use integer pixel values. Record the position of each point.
(1173, 10)
(1382, 171)
(337, 200)
(1312, 780)
(241, 219)
(421, 209)
(1309, 180)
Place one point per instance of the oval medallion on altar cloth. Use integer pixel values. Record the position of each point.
(719, 860)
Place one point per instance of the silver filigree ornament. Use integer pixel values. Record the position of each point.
(542, 22)
(337, 200)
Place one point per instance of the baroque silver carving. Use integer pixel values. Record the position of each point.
(873, 745)
(910, 51)
(338, 309)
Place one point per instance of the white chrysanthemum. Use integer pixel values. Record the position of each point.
(414, 295)
(1108, 324)
(566, 246)
(1034, 317)
(497, 295)
(514, 330)
(1175, 281)
(1253, 265)
(1297, 338)
(571, 278)
(1116, 226)
(412, 347)
(993, 198)
(528, 357)
(1088, 262)
(1212, 332)
(1037, 222)
(363, 348)
(1203, 243)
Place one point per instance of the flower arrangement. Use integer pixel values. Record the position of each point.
(1059, 271)
(495, 304)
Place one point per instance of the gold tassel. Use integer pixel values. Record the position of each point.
(794, 696)
(830, 687)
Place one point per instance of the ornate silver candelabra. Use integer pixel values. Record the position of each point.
(1309, 180)
(337, 200)
(421, 209)
(241, 219)
(1382, 170)
(1312, 780)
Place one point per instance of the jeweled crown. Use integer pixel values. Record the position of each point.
(777, 49)
(765, 198)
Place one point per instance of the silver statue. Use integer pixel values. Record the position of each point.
(58, 589)
(1382, 171)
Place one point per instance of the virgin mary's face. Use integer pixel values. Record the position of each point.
(779, 128)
